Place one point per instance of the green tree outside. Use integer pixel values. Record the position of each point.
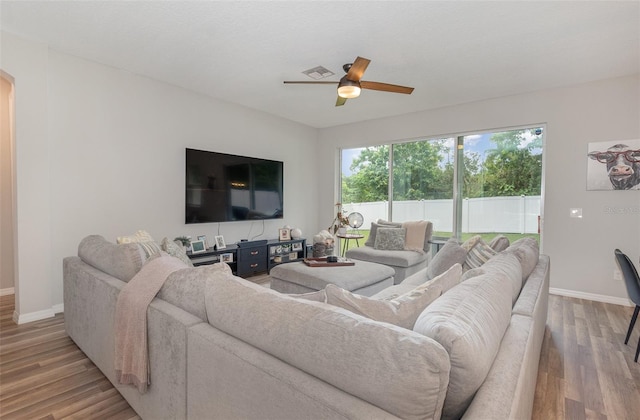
(423, 170)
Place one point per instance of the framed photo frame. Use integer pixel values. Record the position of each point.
(284, 234)
(204, 238)
(220, 244)
(198, 246)
(296, 246)
(227, 257)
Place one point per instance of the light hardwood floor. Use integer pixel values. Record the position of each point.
(585, 372)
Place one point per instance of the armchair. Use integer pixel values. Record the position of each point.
(404, 262)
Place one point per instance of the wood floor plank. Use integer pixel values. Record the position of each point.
(585, 371)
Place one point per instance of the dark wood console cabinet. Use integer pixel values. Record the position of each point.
(212, 256)
(251, 260)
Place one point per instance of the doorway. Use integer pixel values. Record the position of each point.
(7, 186)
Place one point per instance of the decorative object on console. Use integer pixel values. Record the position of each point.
(198, 247)
(185, 240)
(284, 234)
(227, 257)
(204, 238)
(296, 233)
(220, 244)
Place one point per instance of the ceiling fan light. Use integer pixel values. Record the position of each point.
(348, 89)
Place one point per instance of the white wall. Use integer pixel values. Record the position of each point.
(581, 250)
(101, 151)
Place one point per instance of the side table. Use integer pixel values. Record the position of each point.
(347, 237)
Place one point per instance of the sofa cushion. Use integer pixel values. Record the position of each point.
(527, 252)
(479, 254)
(451, 253)
(175, 250)
(499, 243)
(144, 239)
(380, 256)
(185, 288)
(404, 373)
(401, 310)
(120, 261)
(390, 239)
(509, 265)
(371, 240)
(469, 321)
(317, 296)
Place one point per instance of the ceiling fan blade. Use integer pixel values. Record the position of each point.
(310, 82)
(341, 101)
(357, 69)
(386, 87)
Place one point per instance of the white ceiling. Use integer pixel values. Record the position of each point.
(452, 52)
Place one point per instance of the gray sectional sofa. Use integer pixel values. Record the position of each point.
(223, 347)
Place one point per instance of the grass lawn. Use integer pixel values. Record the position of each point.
(487, 237)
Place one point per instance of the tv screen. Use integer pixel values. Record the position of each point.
(225, 188)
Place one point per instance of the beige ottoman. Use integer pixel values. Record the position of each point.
(364, 278)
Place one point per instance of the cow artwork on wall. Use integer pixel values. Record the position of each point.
(614, 165)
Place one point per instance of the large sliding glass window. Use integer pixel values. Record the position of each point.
(501, 192)
(423, 182)
(486, 183)
(365, 182)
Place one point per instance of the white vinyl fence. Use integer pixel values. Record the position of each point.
(482, 215)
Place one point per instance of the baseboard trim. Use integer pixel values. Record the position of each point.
(8, 291)
(57, 309)
(33, 316)
(590, 296)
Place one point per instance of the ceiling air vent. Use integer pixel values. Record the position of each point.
(318, 73)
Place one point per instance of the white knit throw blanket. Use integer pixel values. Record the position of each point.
(131, 353)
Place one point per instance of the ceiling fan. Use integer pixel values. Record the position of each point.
(350, 85)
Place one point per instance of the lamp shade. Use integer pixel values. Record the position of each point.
(348, 88)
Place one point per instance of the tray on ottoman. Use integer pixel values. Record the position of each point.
(322, 262)
(365, 278)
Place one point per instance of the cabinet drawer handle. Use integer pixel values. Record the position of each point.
(255, 252)
(253, 265)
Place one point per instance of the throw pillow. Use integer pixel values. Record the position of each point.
(499, 243)
(450, 254)
(478, 255)
(414, 239)
(391, 239)
(371, 240)
(175, 250)
(471, 242)
(469, 321)
(401, 310)
(144, 240)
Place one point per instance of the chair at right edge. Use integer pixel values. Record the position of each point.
(632, 281)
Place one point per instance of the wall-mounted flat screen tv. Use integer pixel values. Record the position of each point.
(226, 188)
